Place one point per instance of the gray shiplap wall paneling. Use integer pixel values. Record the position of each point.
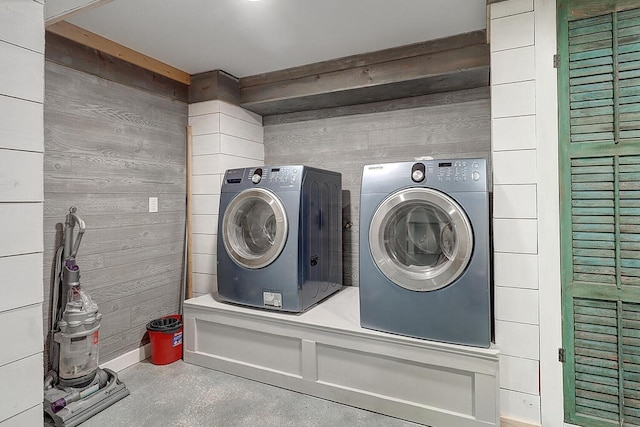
(345, 139)
(108, 148)
(91, 61)
(21, 207)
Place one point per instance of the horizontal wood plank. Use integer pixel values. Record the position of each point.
(24, 235)
(90, 60)
(21, 23)
(214, 85)
(113, 184)
(24, 334)
(94, 41)
(24, 78)
(381, 77)
(20, 273)
(20, 176)
(436, 84)
(362, 60)
(21, 125)
(117, 345)
(381, 106)
(25, 375)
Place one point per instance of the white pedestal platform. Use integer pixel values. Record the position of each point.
(325, 353)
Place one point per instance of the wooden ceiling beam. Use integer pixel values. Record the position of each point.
(407, 51)
(443, 65)
(92, 40)
(79, 57)
(212, 85)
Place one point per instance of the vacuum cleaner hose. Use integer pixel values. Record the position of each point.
(50, 380)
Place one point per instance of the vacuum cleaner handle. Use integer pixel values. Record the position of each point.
(71, 248)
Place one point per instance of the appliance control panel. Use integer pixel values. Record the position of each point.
(451, 174)
(281, 176)
(459, 171)
(284, 175)
(447, 175)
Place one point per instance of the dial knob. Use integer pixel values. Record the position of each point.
(417, 172)
(256, 178)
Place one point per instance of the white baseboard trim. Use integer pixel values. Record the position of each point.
(510, 422)
(128, 359)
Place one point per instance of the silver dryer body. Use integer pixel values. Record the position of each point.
(424, 250)
(280, 237)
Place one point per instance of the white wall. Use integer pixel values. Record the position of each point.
(21, 197)
(526, 210)
(515, 223)
(225, 136)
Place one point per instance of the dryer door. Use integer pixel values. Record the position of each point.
(254, 228)
(421, 239)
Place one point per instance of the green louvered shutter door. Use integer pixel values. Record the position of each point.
(599, 107)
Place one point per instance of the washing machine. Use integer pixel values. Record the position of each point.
(280, 237)
(424, 250)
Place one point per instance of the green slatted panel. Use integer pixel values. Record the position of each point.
(591, 79)
(599, 105)
(597, 342)
(629, 194)
(631, 362)
(596, 363)
(629, 69)
(592, 213)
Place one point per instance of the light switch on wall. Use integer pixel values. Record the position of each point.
(153, 204)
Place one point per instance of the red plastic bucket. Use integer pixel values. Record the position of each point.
(165, 336)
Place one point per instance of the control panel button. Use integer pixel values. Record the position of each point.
(257, 176)
(475, 175)
(417, 172)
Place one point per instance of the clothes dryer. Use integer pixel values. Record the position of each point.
(280, 236)
(424, 250)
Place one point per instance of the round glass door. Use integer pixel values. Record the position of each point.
(254, 228)
(421, 239)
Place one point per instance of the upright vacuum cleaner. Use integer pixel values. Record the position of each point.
(75, 388)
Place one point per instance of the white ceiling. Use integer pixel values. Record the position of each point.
(245, 37)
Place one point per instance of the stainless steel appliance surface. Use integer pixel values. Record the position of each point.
(280, 236)
(424, 250)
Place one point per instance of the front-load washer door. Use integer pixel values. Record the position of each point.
(421, 239)
(254, 228)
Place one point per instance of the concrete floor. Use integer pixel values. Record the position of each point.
(185, 395)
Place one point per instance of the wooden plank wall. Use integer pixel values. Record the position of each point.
(108, 148)
(344, 139)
